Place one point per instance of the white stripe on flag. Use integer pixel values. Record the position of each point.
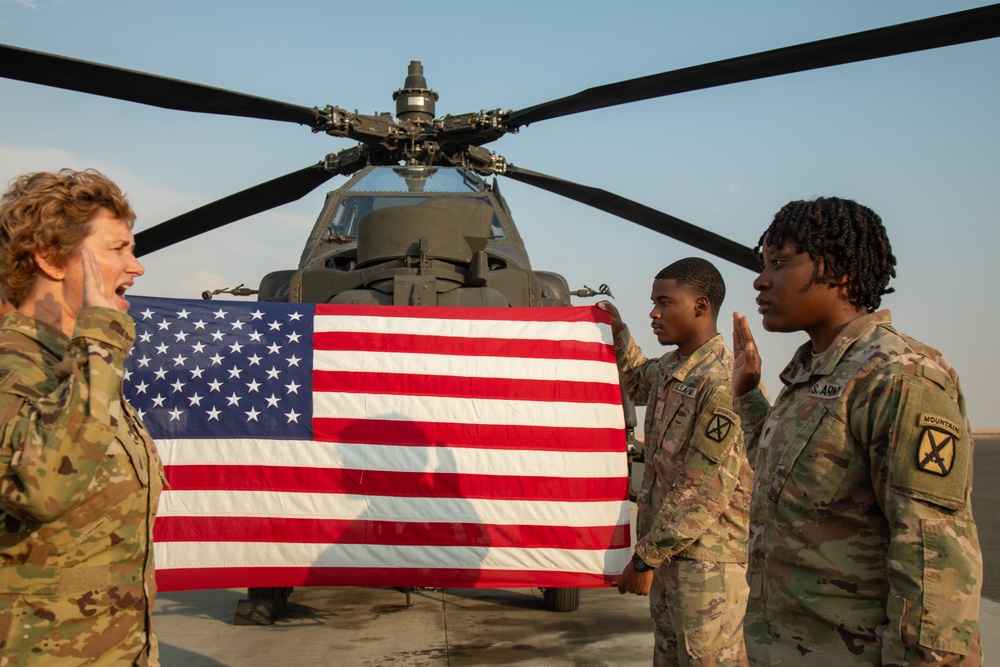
(588, 332)
(514, 368)
(290, 554)
(447, 410)
(391, 508)
(391, 458)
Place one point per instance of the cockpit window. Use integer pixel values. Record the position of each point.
(353, 207)
(419, 179)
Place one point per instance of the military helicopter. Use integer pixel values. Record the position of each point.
(421, 148)
(417, 223)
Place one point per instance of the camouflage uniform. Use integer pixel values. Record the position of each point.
(694, 502)
(79, 484)
(863, 548)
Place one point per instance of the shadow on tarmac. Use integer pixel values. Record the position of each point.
(367, 627)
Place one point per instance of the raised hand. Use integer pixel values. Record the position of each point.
(746, 366)
(93, 281)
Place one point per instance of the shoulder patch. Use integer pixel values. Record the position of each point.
(942, 423)
(933, 450)
(722, 420)
(936, 451)
(728, 414)
(685, 390)
(717, 429)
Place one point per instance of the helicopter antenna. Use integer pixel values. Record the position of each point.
(590, 291)
(239, 290)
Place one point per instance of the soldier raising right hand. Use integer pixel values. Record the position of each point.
(863, 549)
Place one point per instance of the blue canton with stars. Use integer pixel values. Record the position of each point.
(221, 369)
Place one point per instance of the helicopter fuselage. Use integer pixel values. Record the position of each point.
(420, 235)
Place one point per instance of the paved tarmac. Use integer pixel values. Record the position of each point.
(362, 627)
(366, 627)
(986, 508)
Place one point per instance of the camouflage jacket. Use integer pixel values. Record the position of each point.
(863, 549)
(695, 496)
(79, 485)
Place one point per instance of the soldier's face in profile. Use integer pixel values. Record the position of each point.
(791, 296)
(113, 247)
(674, 311)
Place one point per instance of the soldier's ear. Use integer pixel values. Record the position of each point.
(702, 308)
(44, 260)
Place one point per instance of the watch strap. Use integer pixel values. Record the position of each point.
(640, 565)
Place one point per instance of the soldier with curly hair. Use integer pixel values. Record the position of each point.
(863, 548)
(79, 475)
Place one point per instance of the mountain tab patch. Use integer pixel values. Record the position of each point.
(936, 451)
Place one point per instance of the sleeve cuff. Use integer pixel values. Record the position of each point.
(752, 406)
(651, 556)
(622, 339)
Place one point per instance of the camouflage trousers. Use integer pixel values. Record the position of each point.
(697, 609)
(61, 631)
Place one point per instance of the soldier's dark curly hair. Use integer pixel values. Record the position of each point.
(849, 239)
(701, 276)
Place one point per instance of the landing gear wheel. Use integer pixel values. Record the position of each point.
(263, 606)
(561, 599)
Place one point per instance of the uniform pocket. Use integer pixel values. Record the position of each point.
(718, 634)
(673, 433)
(22, 627)
(952, 579)
(812, 469)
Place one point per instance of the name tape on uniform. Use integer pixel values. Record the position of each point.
(685, 390)
(826, 390)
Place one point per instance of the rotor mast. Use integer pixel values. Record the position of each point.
(415, 137)
(415, 101)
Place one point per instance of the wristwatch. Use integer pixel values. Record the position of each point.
(640, 565)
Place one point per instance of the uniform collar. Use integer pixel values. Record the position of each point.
(46, 335)
(707, 348)
(805, 364)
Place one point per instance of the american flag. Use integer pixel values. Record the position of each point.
(323, 445)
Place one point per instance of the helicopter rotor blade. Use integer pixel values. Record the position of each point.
(132, 86)
(931, 33)
(263, 197)
(640, 214)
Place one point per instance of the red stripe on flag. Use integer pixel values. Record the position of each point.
(495, 436)
(182, 579)
(364, 531)
(465, 387)
(553, 314)
(473, 347)
(394, 484)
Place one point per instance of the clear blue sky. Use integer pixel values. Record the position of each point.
(915, 137)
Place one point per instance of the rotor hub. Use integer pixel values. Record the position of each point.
(415, 101)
